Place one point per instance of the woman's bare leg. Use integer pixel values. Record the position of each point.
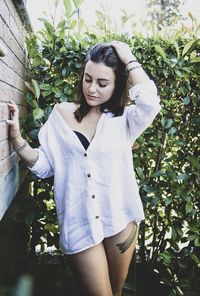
(119, 250)
(90, 268)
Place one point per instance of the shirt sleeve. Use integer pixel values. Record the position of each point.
(42, 168)
(147, 105)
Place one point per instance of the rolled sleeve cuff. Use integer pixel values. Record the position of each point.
(42, 167)
(144, 91)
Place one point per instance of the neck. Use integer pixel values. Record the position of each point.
(95, 111)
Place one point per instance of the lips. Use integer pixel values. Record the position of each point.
(91, 97)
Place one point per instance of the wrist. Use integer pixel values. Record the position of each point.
(132, 66)
(17, 140)
(131, 59)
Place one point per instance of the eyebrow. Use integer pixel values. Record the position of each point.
(101, 79)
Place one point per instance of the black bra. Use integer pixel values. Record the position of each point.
(83, 140)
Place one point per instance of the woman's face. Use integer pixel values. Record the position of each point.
(98, 83)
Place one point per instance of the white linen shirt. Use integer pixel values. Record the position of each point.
(95, 190)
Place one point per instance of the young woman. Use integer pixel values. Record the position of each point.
(87, 146)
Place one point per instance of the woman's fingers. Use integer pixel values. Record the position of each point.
(10, 122)
(12, 105)
(123, 50)
(14, 111)
(13, 121)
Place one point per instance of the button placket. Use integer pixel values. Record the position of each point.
(91, 190)
(87, 166)
(95, 207)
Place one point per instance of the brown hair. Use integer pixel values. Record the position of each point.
(105, 53)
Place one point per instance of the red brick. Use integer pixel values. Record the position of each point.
(5, 149)
(8, 92)
(7, 164)
(14, 63)
(10, 77)
(3, 131)
(10, 40)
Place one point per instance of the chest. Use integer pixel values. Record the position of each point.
(87, 126)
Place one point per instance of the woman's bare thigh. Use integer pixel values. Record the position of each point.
(119, 250)
(90, 268)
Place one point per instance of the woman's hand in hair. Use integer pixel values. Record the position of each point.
(124, 51)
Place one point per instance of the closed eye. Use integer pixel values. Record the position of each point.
(88, 80)
(100, 84)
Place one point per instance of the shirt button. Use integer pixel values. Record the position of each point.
(85, 154)
(97, 217)
(93, 196)
(88, 175)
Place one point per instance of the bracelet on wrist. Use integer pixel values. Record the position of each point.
(132, 61)
(133, 68)
(22, 147)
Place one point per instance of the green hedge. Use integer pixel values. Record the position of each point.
(167, 162)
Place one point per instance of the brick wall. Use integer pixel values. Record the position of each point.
(14, 26)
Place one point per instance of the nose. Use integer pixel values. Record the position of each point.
(92, 88)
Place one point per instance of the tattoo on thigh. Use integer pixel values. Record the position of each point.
(128, 242)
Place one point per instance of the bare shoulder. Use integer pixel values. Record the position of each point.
(66, 108)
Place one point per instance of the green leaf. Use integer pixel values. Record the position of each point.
(179, 231)
(195, 258)
(36, 88)
(192, 237)
(179, 291)
(78, 65)
(186, 100)
(195, 60)
(78, 3)
(68, 7)
(73, 24)
(166, 122)
(33, 103)
(193, 55)
(183, 177)
(160, 51)
(177, 49)
(167, 258)
(158, 174)
(187, 47)
(51, 228)
(46, 93)
(61, 24)
(149, 188)
(172, 130)
(197, 242)
(45, 86)
(36, 60)
(169, 123)
(188, 207)
(140, 172)
(38, 113)
(29, 86)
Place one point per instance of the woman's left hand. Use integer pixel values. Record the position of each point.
(124, 51)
